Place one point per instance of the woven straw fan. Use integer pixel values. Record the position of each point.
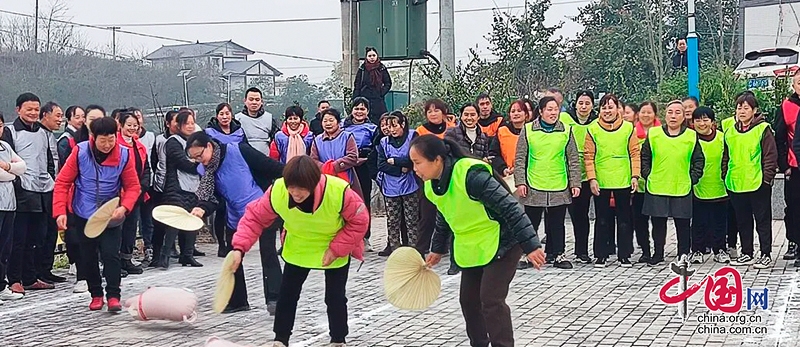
(409, 284)
(225, 282)
(177, 217)
(97, 223)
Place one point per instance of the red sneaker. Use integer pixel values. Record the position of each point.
(17, 288)
(114, 305)
(97, 304)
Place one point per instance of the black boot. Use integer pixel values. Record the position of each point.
(129, 266)
(163, 261)
(187, 252)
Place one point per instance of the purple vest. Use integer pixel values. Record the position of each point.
(394, 186)
(96, 184)
(334, 149)
(363, 133)
(234, 137)
(282, 141)
(237, 192)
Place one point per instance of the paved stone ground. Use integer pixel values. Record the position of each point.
(580, 307)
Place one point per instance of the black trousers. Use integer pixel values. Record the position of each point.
(605, 226)
(365, 179)
(641, 224)
(579, 215)
(186, 240)
(221, 231)
(159, 229)
(270, 267)
(709, 225)
(427, 222)
(758, 205)
(791, 195)
(129, 232)
(29, 231)
(45, 256)
(146, 219)
(108, 244)
(73, 241)
(683, 230)
(733, 227)
(553, 226)
(6, 241)
(335, 300)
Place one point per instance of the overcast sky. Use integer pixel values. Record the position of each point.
(319, 39)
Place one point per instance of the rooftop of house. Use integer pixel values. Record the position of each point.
(241, 67)
(198, 49)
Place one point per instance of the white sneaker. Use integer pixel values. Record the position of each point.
(8, 295)
(80, 287)
(696, 258)
(73, 270)
(722, 257)
(764, 262)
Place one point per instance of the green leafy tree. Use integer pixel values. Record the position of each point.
(298, 91)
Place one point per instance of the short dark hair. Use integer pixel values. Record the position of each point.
(555, 91)
(222, 106)
(323, 102)
(651, 104)
(460, 111)
(370, 49)
(438, 104)
(581, 93)
(95, 107)
(116, 112)
(482, 96)
(293, 111)
(123, 117)
(253, 90)
(693, 99)
(302, 172)
(333, 112)
(48, 107)
(198, 139)
(103, 126)
(704, 111)
(361, 101)
(183, 117)
(134, 109)
(26, 97)
(749, 99)
(633, 107)
(70, 112)
(2, 119)
(609, 97)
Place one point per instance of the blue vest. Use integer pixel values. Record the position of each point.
(334, 149)
(96, 184)
(235, 183)
(282, 142)
(234, 137)
(363, 133)
(394, 186)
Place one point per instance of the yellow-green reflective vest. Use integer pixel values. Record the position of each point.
(744, 159)
(711, 186)
(547, 160)
(476, 237)
(612, 160)
(308, 235)
(579, 132)
(671, 158)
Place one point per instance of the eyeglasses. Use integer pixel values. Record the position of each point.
(197, 156)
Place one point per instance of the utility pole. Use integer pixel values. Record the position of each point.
(349, 41)
(693, 59)
(447, 38)
(114, 41)
(36, 29)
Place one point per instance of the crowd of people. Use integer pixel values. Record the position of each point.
(475, 184)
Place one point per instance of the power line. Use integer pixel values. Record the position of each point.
(162, 37)
(65, 45)
(316, 19)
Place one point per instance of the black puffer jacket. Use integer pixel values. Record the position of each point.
(515, 227)
(178, 160)
(480, 148)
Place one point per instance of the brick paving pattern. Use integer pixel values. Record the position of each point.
(580, 307)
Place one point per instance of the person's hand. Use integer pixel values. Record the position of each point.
(536, 258)
(61, 222)
(328, 258)
(361, 161)
(634, 184)
(119, 213)
(788, 173)
(237, 260)
(522, 191)
(432, 259)
(198, 212)
(390, 161)
(508, 171)
(5, 166)
(594, 187)
(576, 192)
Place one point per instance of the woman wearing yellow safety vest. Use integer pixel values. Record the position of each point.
(490, 232)
(325, 222)
(672, 162)
(581, 117)
(648, 118)
(709, 208)
(612, 166)
(749, 164)
(547, 174)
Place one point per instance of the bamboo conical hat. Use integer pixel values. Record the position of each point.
(225, 283)
(98, 222)
(177, 217)
(408, 283)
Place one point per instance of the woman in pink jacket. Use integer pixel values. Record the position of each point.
(325, 224)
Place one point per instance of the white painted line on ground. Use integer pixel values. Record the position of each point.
(777, 328)
(353, 324)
